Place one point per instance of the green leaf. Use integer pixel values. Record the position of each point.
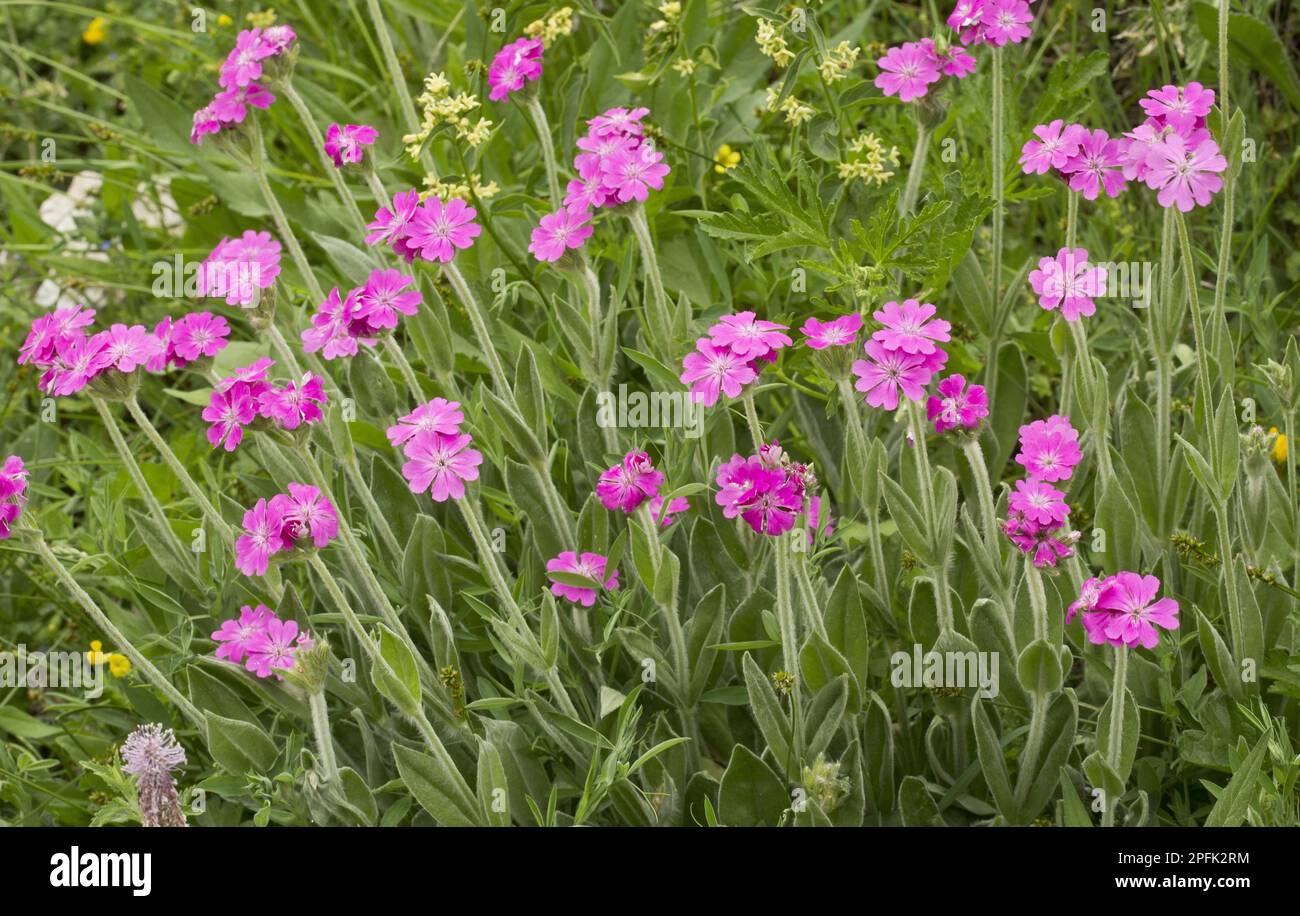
(434, 787)
(398, 680)
(917, 804)
(767, 711)
(993, 761)
(239, 747)
(1230, 808)
(751, 794)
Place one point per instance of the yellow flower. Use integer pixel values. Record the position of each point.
(96, 32)
(224, 20)
(96, 654)
(119, 665)
(1279, 446)
(725, 158)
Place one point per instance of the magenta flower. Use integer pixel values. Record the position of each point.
(1045, 545)
(907, 71)
(629, 483)
(1133, 611)
(590, 565)
(437, 416)
(558, 232)
(596, 148)
(1006, 21)
(1181, 107)
(1057, 143)
(957, 405)
(273, 648)
(838, 332)
(237, 268)
(438, 229)
(1087, 600)
(516, 64)
(384, 296)
(347, 143)
(1185, 177)
(1039, 502)
(732, 484)
(885, 372)
(1068, 282)
(305, 512)
(338, 326)
(130, 347)
(77, 360)
(967, 20)
(390, 224)
(1097, 166)
(48, 329)
(633, 173)
(254, 375)
(229, 412)
(663, 514)
(294, 403)
(909, 328)
(952, 61)
(618, 121)
(204, 123)
(712, 370)
(588, 193)
(261, 539)
(236, 634)
(1049, 449)
(13, 493)
(279, 38)
(197, 335)
(230, 106)
(244, 62)
(748, 336)
(441, 464)
(771, 501)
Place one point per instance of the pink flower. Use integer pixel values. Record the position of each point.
(294, 403)
(13, 493)
(438, 229)
(1181, 107)
(441, 464)
(956, 405)
(618, 121)
(907, 71)
(1185, 177)
(517, 63)
(664, 514)
(557, 232)
(1039, 502)
(230, 106)
(586, 194)
(771, 501)
(77, 360)
(748, 336)
(49, 329)
(235, 635)
(908, 328)
(633, 173)
(391, 223)
(130, 347)
(1044, 544)
(279, 38)
(967, 20)
(1049, 449)
(437, 416)
(263, 525)
(229, 412)
(1097, 166)
(1055, 145)
(590, 565)
(712, 370)
(596, 148)
(197, 335)
(338, 326)
(347, 143)
(1086, 602)
(244, 62)
(306, 512)
(1068, 282)
(384, 296)
(1134, 611)
(204, 123)
(732, 484)
(953, 61)
(885, 372)
(254, 375)
(237, 268)
(628, 484)
(273, 648)
(838, 332)
(1006, 21)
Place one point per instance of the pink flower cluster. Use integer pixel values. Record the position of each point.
(590, 565)
(992, 22)
(1172, 152)
(439, 458)
(198, 335)
(248, 395)
(909, 70)
(283, 523)
(1123, 610)
(629, 483)
(903, 355)
(617, 164)
(957, 405)
(770, 492)
(514, 66)
(342, 323)
(238, 80)
(432, 230)
(237, 268)
(728, 359)
(13, 493)
(1036, 511)
(261, 640)
(1068, 282)
(346, 143)
(58, 344)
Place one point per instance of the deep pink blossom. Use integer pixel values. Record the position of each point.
(390, 224)
(957, 405)
(838, 332)
(437, 416)
(261, 539)
(1184, 176)
(347, 143)
(1183, 108)
(633, 173)
(1049, 449)
(1057, 143)
(712, 370)
(13, 493)
(235, 634)
(128, 348)
(618, 121)
(305, 512)
(1006, 21)
(244, 62)
(1068, 282)
(907, 71)
(294, 403)
(748, 336)
(886, 372)
(197, 335)
(273, 648)
(1097, 166)
(911, 327)
(591, 565)
(77, 360)
(515, 65)
(387, 294)
(1134, 612)
(229, 412)
(238, 267)
(557, 232)
(50, 328)
(1039, 502)
(441, 464)
(629, 483)
(439, 229)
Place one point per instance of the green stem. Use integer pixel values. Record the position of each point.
(912, 190)
(478, 321)
(405, 368)
(314, 136)
(787, 620)
(1229, 187)
(984, 493)
(320, 723)
(534, 105)
(658, 316)
(1205, 391)
(146, 667)
(1118, 700)
(751, 418)
(808, 592)
(999, 176)
(397, 79)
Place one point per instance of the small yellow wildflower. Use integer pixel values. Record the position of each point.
(684, 66)
(838, 61)
(772, 43)
(96, 654)
(1279, 445)
(556, 25)
(796, 112)
(725, 159)
(223, 20)
(872, 164)
(96, 32)
(439, 106)
(262, 19)
(446, 190)
(118, 664)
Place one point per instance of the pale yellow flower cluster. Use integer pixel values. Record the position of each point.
(671, 10)
(772, 43)
(558, 24)
(872, 166)
(438, 106)
(684, 66)
(796, 112)
(446, 190)
(838, 61)
(262, 19)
